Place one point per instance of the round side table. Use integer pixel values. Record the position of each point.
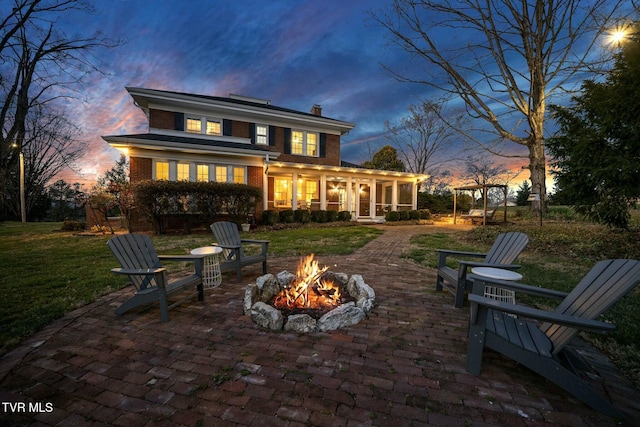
(211, 276)
(495, 292)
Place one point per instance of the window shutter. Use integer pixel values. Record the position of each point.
(323, 145)
(226, 127)
(287, 140)
(272, 135)
(178, 121)
(252, 132)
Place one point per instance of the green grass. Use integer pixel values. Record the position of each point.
(559, 254)
(45, 273)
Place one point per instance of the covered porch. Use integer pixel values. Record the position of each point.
(367, 194)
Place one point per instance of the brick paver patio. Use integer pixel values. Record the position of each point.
(211, 366)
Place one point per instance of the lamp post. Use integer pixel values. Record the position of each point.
(23, 210)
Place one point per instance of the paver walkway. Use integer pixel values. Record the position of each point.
(211, 366)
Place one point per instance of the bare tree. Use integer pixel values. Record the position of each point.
(51, 144)
(504, 59)
(38, 64)
(422, 136)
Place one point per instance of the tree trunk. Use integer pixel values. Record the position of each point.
(537, 169)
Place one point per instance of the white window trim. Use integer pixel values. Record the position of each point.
(203, 123)
(266, 135)
(304, 143)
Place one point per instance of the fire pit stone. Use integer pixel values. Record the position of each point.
(259, 295)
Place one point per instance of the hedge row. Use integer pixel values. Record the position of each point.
(407, 215)
(273, 217)
(192, 202)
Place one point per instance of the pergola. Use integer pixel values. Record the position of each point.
(473, 189)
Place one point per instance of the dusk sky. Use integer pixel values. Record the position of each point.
(294, 53)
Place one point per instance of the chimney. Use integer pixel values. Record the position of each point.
(316, 110)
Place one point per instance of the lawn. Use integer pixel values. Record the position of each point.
(45, 273)
(559, 254)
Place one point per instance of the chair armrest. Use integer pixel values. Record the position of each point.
(181, 257)
(516, 286)
(484, 264)
(259, 242)
(460, 253)
(138, 271)
(542, 315)
(226, 246)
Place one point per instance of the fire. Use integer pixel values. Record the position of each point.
(309, 289)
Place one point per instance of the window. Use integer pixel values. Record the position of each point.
(297, 142)
(238, 175)
(183, 172)
(262, 134)
(282, 192)
(304, 143)
(221, 173)
(162, 170)
(213, 127)
(204, 125)
(194, 125)
(202, 173)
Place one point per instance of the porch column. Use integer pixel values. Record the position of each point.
(373, 202)
(414, 196)
(350, 195)
(265, 188)
(294, 191)
(323, 192)
(394, 195)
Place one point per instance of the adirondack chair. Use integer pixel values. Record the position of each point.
(141, 263)
(504, 251)
(233, 254)
(543, 348)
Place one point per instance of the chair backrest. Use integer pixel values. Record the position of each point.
(226, 233)
(606, 283)
(507, 247)
(135, 251)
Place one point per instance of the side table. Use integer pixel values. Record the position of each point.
(211, 276)
(495, 292)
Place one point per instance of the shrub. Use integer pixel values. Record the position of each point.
(414, 215)
(344, 216)
(287, 216)
(191, 202)
(302, 216)
(70, 225)
(404, 215)
(270, 217)
(319, 216)
(425, 214)
(332, 216)
(392, 216)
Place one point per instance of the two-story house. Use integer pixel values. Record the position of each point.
(293, 156)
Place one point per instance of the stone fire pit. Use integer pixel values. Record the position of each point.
(258, 297)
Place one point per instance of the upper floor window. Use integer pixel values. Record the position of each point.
(203, 125)
(304, 143)
(262, 134)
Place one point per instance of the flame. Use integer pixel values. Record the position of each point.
(309, 289)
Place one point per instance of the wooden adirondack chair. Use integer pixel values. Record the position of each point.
(543, 348)
(233, 254)
(141, 263)
(504, 251)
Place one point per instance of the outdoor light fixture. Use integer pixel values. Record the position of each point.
(23, 210)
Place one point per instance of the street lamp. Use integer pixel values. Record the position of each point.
(23, 210)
